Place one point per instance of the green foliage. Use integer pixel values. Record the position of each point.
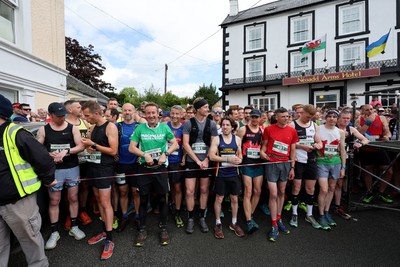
(208, 92)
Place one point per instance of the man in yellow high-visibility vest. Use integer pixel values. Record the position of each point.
(24, 165)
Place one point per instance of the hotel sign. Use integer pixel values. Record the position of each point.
(330, 77)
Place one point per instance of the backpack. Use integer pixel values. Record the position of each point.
(195, 131)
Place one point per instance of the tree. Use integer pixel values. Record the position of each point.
(129, 95)
(208, 92)
(85, 65)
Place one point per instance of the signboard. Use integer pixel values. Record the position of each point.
(329, 77)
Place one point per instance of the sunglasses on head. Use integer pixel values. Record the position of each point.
(218, 111)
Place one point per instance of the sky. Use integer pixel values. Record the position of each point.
(137, 38)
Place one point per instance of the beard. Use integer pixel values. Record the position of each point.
(128, 117)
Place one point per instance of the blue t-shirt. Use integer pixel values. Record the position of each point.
(176, 156)
(125, 157)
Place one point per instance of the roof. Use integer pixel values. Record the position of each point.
(77, 85)
(270, 9)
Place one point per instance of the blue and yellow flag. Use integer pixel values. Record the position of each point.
(378, 46)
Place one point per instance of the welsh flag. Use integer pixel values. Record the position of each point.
(314, 45)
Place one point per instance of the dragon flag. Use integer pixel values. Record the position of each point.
(314, 45)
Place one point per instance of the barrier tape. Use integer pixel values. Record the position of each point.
(176, 171)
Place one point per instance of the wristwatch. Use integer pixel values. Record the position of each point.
(94, 146)
(167, 154)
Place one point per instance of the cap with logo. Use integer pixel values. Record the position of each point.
(57, 109)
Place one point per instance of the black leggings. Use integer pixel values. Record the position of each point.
(162, 204)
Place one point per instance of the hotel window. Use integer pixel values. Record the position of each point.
(328, 99)
(352, 18)
(7, 20)
(254, 69)
(299, 61)
(264, 103)
(301, 29)
(255, 36)
(352, 53)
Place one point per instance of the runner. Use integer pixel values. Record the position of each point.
(226, 150)
(63, 141)
(152, 139)
(279, 146)
(331, 161)
(102, 144)
(197, 135)
(251, 139)
(175, 164)
(306, 166)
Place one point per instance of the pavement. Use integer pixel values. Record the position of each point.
(370, 238)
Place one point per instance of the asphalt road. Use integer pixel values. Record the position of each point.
(371, 238)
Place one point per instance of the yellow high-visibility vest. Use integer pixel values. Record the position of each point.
(24, 176)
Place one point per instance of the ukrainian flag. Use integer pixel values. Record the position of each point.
(378, 46)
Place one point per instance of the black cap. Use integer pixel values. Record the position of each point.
(255, 113)
(57, 109)
(6, 109)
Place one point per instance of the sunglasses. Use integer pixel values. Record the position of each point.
(27, 109)
(218, 112)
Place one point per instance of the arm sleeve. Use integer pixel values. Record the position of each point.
(37, 155)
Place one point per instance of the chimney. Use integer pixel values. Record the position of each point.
(234, 7)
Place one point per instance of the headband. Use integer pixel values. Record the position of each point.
(332, 112)
(200, 103)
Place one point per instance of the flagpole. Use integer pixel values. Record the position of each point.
(325, 48)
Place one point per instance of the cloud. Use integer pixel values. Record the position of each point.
(137, 38)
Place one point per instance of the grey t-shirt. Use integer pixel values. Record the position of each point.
(199, 147)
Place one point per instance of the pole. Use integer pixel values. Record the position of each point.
(165, 82)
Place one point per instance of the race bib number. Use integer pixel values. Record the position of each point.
(154, 153)
(199, 148)
(306, 142)
(226, 164)
(253, 153)
(175, 153)
(330, 150)
(372, 138)
(280, 147)
(82, 156)
(59, 147)
(94, 157)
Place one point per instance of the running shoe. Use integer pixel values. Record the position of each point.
(164, 237)
(190, 226)
(179, 222)
(368, 198)
(340, 211)
(140, 238)
(273, 234)
(107, 251)
(84, 218)
(77, 233)
(124, 222)
(264, 208)
(324, 223)
(96, 239)
(313, 222)
(282, 228)
(237, 230)
(67, 224)
(252, 226)
(384, 197)
(288, 206)
(303, 206)
(218, 231)
(203, 225)
(52, 242)
(328, 217)
(115, 223)
(294, 221)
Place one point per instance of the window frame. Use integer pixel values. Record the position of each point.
(12, 4)
(262, 65)
(264, 95)
(263, 37)
(362, 56)
(364, 19)
(311, 27)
